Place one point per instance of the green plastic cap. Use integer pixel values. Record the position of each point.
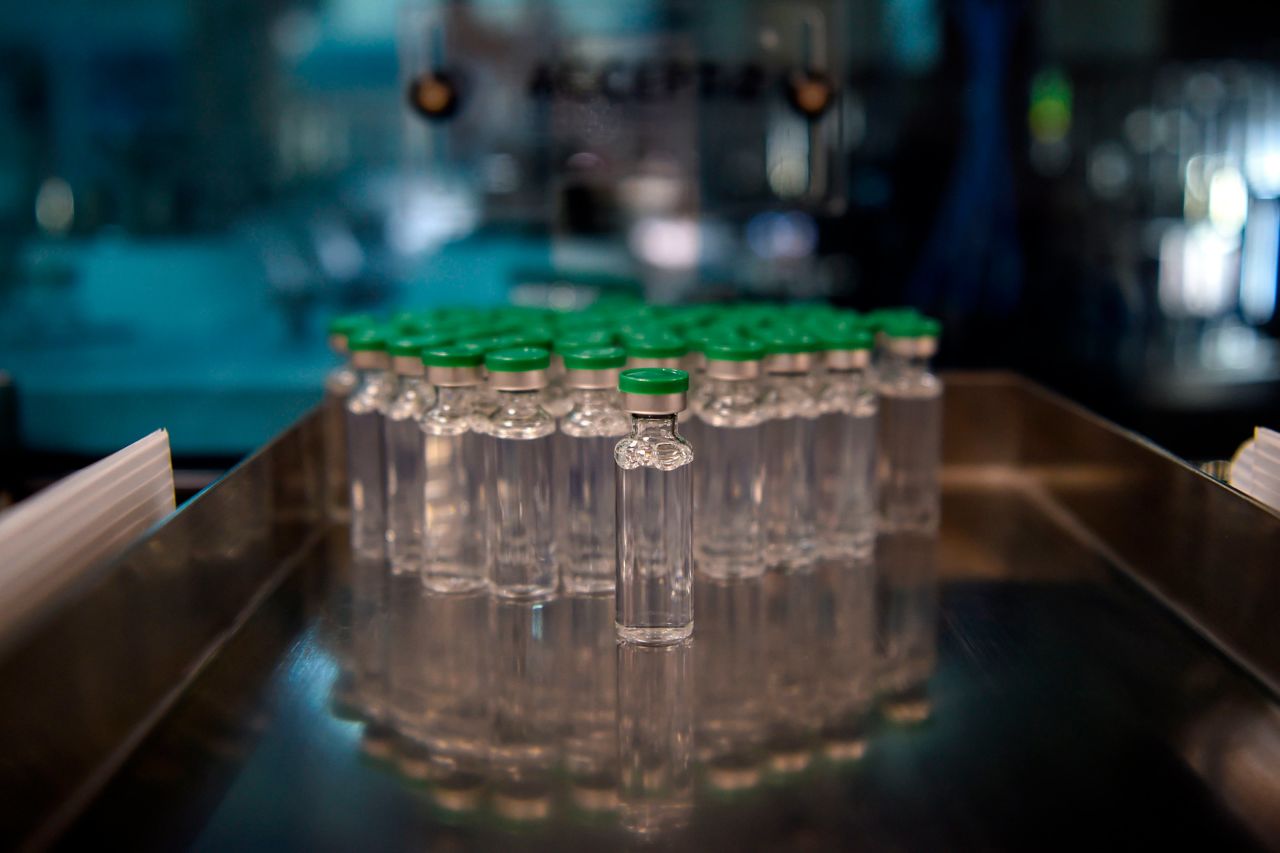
(724, 348)
(517, 360)
(348, 323)
(415, 345)
(583, 338)
(539, 337)
(595, 358)
(879, 319)
(912, 327)
(789, 342)
(847, 338)
(367, 340)
(656, 346)
(458, 355)
(653, 380)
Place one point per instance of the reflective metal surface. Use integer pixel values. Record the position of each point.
(1003, 686)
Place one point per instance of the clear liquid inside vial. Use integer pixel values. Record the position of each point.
(728, 479)
(911, 446)
(654, 593)
(405, 475)
(522, 560)
(338, 386)
(366, 465)
(845, 443)
(453, 558)
(790, 475)
(585, 511)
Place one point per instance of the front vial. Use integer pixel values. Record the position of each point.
(404, 446)
(654, 596)
(845, 444)
(910, 454)
(366, 450)
(518, 453)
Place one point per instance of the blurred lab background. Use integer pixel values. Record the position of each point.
(1085, 191)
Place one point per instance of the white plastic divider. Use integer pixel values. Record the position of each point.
(1255, 470)
(57, 535)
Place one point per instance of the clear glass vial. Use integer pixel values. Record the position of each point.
(338, 385)
(790, 479)
(405, 459)
(518, 454)
(366, 452)
(728, 406)
(453, 531)
(654, 595)
(557, 398)
(585, 469)
(845, 446)
(910, 426)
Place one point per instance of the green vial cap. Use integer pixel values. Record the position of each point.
(880, 318)
(415, 345)
(368, 340)
(595, 358)
(536, 337)
(581, 339)
(348, 323)
(653, 380)
(733, 349)
(847, 338)
(656, 346)
(912, 327)
(790, 342)
(458, 355)
(517, 360)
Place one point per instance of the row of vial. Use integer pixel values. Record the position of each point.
(529, 461)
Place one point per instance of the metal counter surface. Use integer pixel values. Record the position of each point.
(1047, 689)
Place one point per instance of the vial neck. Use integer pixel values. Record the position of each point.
(519, 403)
(593, 398)
(653, 426)
(369, 375)
(454, 398)
(905, 365)
(409, 382)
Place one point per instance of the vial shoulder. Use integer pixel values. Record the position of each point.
(666, 453)
(592, 423)
(447, 420)
(523, 425)
(410, 405)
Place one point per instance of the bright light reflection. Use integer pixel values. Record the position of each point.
(1228, 201)
(1259, 262)
(667, 243)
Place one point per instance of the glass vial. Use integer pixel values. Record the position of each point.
(518, 453)
(910, 426)
(453, 522)
(405, 468)
(366, 453)
(790, 479)
(845, 447)
(654, 595)
(585, 469)
(338, 386)
(727, 406)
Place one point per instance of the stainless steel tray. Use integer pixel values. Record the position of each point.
(1099, 641)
